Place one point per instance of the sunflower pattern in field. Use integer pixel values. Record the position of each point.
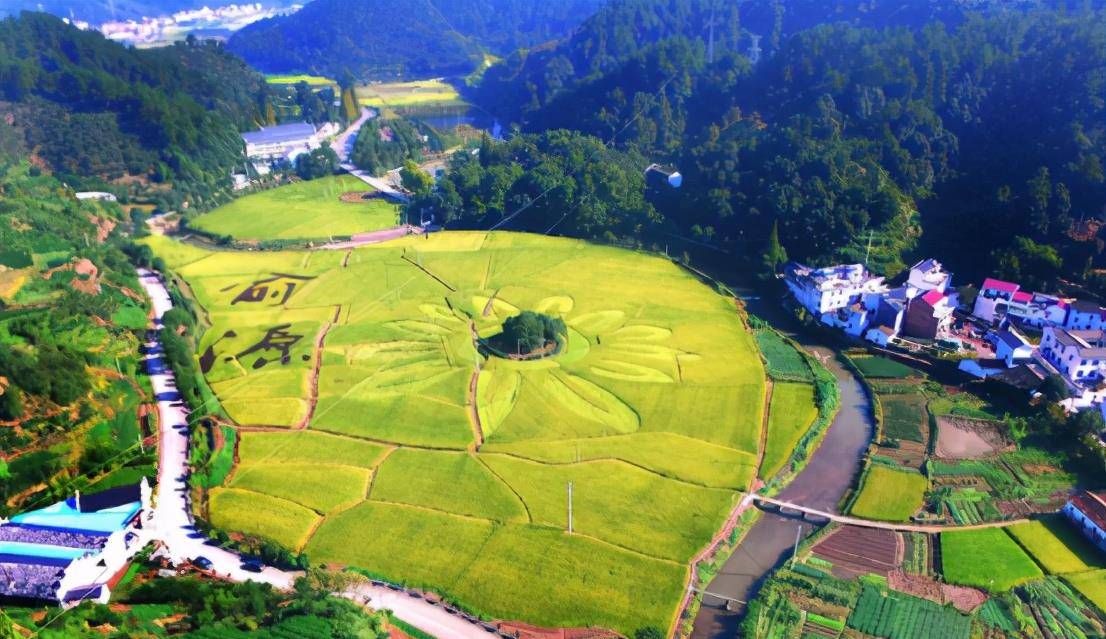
(411, 452)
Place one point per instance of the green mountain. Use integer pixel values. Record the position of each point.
(434, 37)
(157, 125)
(975, 136)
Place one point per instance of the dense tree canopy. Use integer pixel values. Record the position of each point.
(973, 133)
(558, 181)
(97, 111)
(443, 37)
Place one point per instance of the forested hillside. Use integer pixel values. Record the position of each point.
(977, 137)
(377, 39)
(159, 125)
(70, 319)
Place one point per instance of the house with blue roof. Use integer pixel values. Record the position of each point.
(74, 549)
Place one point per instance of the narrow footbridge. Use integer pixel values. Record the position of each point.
(787, 508)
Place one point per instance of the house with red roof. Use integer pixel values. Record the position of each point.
(1087, 510)
(1037, 309)
(993, 299)
(928, 316)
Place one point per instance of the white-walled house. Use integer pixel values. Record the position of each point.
(993, 299)
(1078, 355)
(1083, 315)
(929, 275)
(1037, 309)
(1087, 510)
(824, 290)
(1011, 347)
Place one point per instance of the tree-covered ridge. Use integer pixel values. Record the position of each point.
(977, 137)
(434, 38)
(384, 144)
(70, 318)
(528, 80)
(558, 181)
(95, 111)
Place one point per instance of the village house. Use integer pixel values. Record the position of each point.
(283, 142)
(1078, 355)
(993, 299)
(1011, 347)
(1037, 309)
(825, 290)
(1087, 510)
(1083, 315)
(928, 275)
(928, 316)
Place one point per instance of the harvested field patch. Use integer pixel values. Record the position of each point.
(966, 438)
(855, 551)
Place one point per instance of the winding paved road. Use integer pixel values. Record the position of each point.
(171, 521)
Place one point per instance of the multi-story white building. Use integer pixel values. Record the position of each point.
(993, 299)
(929, 275)
(1037, 309)
(1079, 355)
(1083, 315)
(825, 290)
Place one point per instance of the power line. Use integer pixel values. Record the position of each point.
(583, 165)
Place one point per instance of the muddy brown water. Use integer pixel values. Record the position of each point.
(820, 485)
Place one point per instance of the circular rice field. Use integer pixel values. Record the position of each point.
(373, 433)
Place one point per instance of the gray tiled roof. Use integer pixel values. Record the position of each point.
(280, 133)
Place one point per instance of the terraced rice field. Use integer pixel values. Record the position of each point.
(987, 558)
(422, 461)
(306, 210)
(418, 93)
(1057, 546)
(889, 494)
(792, 412)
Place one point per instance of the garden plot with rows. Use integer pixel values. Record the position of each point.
(379, 429)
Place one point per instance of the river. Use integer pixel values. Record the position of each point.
(820, 485)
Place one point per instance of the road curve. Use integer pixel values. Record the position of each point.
(171, 521)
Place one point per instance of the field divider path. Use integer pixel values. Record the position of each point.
(431, 274)
(766, 415)
(525, 506)
(376, 471)
(316, 369)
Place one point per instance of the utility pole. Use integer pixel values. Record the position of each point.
(710, 39)
(570, 508)
(795, 550)
(868, 252)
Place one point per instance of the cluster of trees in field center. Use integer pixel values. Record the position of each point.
(973, 134)
(432, 38)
